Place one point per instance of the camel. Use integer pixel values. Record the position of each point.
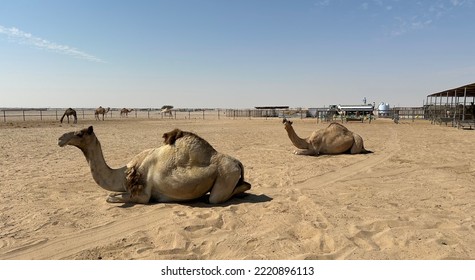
(334, 139)
(70, 112)
(101, 111)
(125, 112)
(186, 167)
(166, 110)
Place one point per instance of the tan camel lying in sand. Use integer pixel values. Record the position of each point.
(335, 139)
(70, 112)
(185, 168)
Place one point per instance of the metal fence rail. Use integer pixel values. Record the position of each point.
(55, 114)
(34, 114)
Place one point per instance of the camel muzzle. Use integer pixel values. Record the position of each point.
(64, 139)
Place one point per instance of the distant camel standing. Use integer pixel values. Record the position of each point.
(70, 112)
(167, 110)
(125, 112)
(101, 111)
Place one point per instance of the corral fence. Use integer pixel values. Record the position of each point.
(55, 114)
(396, 113)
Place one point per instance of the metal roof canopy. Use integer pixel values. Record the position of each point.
(365, 108)
(469, 90)
(462, 91)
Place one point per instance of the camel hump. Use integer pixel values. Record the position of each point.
(170, 138)
(338, 126)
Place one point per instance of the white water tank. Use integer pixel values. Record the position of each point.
(383, 109)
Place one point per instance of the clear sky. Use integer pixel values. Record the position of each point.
(232, 53)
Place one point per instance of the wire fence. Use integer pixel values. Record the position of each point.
(35, 114)
(85, 114)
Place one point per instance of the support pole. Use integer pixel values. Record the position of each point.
(455, 108)
(464, 103)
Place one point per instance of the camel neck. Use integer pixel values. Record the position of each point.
(296, 140)
(106, 177)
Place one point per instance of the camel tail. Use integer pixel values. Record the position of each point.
(364, 151)
(241, 180)
(358, 147)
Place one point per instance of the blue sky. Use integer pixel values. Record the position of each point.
(232, 54)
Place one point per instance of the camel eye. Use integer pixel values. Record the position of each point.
(79, 134)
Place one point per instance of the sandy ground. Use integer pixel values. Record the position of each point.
(413, 198)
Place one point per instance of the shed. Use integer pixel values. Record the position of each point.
(456, 103)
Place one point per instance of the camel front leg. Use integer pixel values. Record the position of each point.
(305, 152)
(125, 197)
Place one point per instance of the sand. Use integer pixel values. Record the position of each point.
(413, 198)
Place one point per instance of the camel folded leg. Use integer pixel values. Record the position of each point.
(357, 146)
(142, 198)
(223, 190)
(305, 152)
(228, 184)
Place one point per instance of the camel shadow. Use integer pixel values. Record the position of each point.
(203, 202)
(245, 198)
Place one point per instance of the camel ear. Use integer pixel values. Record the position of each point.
(90, 130)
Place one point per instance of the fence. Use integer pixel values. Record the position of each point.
(34, 114)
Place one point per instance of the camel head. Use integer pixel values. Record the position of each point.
(287, 123)
(80, 139)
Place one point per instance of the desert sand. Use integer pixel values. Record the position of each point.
(413, 198)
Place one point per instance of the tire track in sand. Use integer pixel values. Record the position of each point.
(65, 246)
(391, 147)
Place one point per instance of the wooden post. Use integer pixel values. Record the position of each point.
(464, 103)
(430, 108)
(4, 117)
(41, 115)
(440, 108)
(23, 115)
(203, 114)
(454, 99)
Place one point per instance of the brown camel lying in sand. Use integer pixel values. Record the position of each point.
(187, 167)
(335, 139)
